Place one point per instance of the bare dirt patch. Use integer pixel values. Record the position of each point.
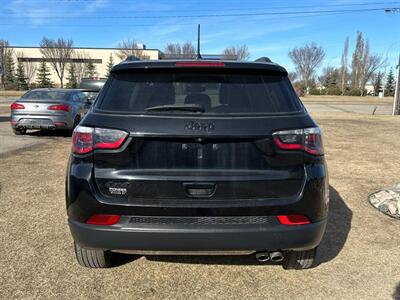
(4, 109)
(358, 258)
(4, 93)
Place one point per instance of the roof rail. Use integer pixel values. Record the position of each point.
(263, 59)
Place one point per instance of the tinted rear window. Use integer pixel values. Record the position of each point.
(217, 93)
(92, 84)
(46, 95)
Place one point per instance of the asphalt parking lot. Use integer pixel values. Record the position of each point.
(358, 257)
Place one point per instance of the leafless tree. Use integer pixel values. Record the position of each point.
(80, 65)
(364, 64)
(306, 60)
(356, 63)
(3, 49)
(240, 52)
(173, 49)
(129, 48)
(186, 50)
(292, 76)
(30, 67)
(344, 63)
(4, 52)
(370, 64)
(58, 53)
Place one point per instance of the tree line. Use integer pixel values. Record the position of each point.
(346, 79)
(349, 78)
(57, 54)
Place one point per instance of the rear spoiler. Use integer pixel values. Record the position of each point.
(263, 59)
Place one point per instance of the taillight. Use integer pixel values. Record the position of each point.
(293, 220)
(16, 105)
(103, 219)
(86, 139)
(82, 140)
(200, 64)
(308, 140)
(108, 138)
(62, 107)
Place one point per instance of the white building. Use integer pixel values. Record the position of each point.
(31, 57)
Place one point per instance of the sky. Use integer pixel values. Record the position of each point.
(269, 28)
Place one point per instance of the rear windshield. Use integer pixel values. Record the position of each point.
(216, 93)
(92, 84)
(46, 95)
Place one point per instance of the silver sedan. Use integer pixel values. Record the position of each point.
(49, 109)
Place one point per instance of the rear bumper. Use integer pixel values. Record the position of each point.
(41, 121)
(253, 237)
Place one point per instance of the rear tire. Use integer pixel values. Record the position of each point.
(19, 131)
(92, 258)
(297, 260)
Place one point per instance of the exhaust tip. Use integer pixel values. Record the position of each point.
(262, 256)
(276, 256)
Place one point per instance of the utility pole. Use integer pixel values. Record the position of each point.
(396, 100)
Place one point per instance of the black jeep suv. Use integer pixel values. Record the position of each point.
(197, 157)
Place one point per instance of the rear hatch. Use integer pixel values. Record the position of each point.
(198, 134)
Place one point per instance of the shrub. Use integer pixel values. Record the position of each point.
(333, 90)
(315, 91)
(353, 92)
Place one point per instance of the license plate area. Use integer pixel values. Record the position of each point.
(35, 122)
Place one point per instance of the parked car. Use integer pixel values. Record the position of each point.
(92, 83)
(92, 86)
(48, 108)
(197, 157)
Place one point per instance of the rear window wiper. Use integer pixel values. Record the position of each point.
(177, 107)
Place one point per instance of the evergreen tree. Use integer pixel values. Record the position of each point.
(110, 64)
(72, 79)
(90, 69)
(9, 71)
(377, 82)
(390, 84)
(20, 79)
(43, 75)
(330, 77)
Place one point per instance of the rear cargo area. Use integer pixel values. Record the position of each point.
(215, 169)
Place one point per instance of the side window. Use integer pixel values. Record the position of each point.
(82, 97)
(75, 97)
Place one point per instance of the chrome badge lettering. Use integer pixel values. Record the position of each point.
(117, 188)
(117, 191)
(200, 126)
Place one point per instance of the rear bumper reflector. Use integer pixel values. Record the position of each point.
(103, 220)
(293, 220)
